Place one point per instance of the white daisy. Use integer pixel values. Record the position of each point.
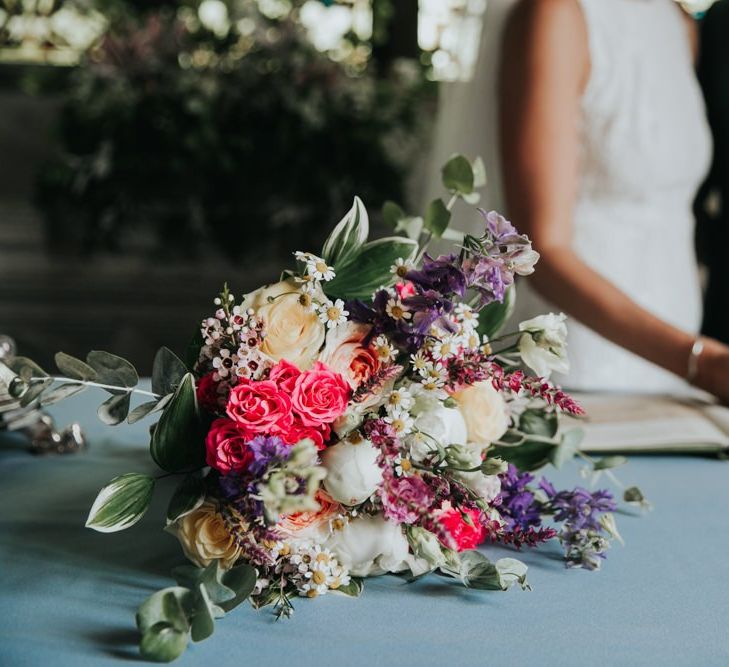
(401, 267)
(419, 361)
(319, 269)
(402, 466)
(332, 313)
(401, 421)
(384, 350)
(445, 347)
(397, 311)
(399, 399)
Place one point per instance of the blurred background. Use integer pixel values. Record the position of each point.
(151, 150)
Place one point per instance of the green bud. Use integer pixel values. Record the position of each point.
(425, 545)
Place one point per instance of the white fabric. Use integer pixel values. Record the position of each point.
(645, 149)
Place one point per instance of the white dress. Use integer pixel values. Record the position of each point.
(645, 150)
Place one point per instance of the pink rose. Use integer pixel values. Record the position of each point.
(297, 432)
(226, 447)
(260, 406)
(345, 353)
(320, 396)
(285, 374)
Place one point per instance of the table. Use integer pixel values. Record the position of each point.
(69, 594)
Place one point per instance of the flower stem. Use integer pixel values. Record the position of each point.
(88, 383)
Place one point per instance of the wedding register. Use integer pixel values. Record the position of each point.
(648, 423)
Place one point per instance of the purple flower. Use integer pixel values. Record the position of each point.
(519, 507)
(443, 275)
(267, 450)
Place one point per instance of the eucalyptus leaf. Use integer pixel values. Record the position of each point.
(512, 571)
(210, 577)
(567, 448)
(171, 604)
(114, 410)
(348, 237)
(411, 227)
(241, 579)
(167, 371)
(479, 572)
(538, 422)
(111, 369)
(177, 441)
(479, 173)
(121, 503)
(188, 496)
(203, 623)
(26, 368)
(457, 175)
(371, 268)
(34, 391)
(633, 495)
(392, 213)
(437, 217)
(142, 410)
(61, 392)
(163, 643)
(529, 455)
(608, 462)
(74, 368)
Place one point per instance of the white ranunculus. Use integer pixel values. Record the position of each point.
(370, 545)
(485, 412)
(543, 345)
(352, 471)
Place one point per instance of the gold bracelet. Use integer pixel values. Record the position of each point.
(693, 361)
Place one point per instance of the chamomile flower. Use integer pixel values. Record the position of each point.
(444, 348)
(384, 349)
(402, 267)
(332, 313)
(399, 399)
(470, 340)
(319, 269)
(402, 466)
(301, 256)
(307, 302)
(434, 376)
(486, 346)
(397, 311)
(419, 361)
(401, 421)
(466, 316)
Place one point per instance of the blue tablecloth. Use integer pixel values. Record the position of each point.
(68, 594)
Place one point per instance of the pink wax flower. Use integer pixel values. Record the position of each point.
(320, 396)
(466, 533)
(260, 407)
(226, 447)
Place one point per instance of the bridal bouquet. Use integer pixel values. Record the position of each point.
(361, 416)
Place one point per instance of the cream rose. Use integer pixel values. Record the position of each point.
(292, 332)
(484, 411)
(205, 537)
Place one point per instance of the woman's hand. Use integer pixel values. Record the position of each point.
(713, 369)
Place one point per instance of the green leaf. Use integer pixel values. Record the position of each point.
(74, 368)
(192, 352)
(512, 571)
(457, 175)
(538, 422)
(26, 368)
(210, 577)
(114, 410)
(348, 237)
(111, 369)
(492, 318)
(411, 227)
(203, 623)
(529, 455)
(163, 643)
(437, 217)
(353, 588)
(609, 462)
(177, 442)
(371, 268)
(167, 371)
(121, 503)
(567, 448)
(34, 392)
(170, 604)
(479, 572)
(241, 580)
(142, 410)
(188, 496)
(61, 392)
(392, 213)
(633, 495)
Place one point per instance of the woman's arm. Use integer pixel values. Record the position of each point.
(545, 67)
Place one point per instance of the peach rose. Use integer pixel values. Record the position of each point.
(205, 537)
(292, 332)
(311, 525)
(345, 353)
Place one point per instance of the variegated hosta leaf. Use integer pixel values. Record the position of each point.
(348, 236)
(121, 503)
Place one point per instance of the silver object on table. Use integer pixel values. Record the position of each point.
(31, 421)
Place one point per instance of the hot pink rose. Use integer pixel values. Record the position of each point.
(226, 447)
(466, 533)
(260, 406)
(320, 396)
(284, 374)
(297, 432)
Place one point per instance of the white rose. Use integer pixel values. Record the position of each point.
(292, 332)
(543, 345)
(485, 412)
(352, 471)
(486, 486)
(370, 545)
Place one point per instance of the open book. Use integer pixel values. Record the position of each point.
(649, 423)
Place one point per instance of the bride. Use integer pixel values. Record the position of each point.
(591, 124)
